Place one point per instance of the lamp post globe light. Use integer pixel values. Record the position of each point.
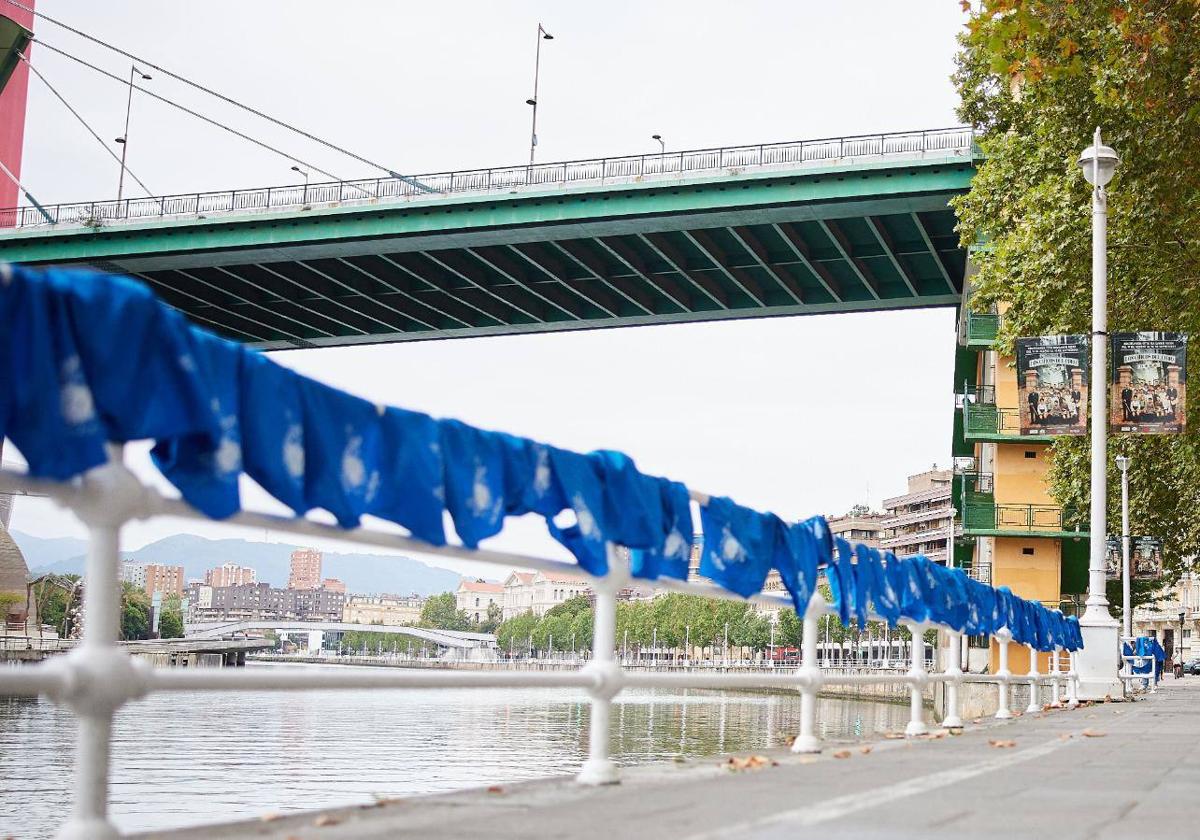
(1097, 662)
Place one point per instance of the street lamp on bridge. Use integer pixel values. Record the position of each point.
(542, 35)
(124, 138)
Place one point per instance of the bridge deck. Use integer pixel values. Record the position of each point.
(852, 234)
(1136, 780)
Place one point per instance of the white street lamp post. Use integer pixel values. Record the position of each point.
(1098, 659)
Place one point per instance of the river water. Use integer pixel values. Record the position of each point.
(185, 759)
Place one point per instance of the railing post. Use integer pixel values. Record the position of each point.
(953, 716)
(1072, 682)
(1056, 672)
(1003, 637)
(599, 768)
(1034, 695)
(918, 677)
(98, 677)
(810, 674)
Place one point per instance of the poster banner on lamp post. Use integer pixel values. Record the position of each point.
(1145, 558)
(1052, 384)
(1149, 382)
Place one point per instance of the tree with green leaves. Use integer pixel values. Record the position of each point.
(170, 620)
(515, 633)
(441, 612)
(135, 613)
(1035, 78)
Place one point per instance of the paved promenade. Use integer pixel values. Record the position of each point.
(1133, 775)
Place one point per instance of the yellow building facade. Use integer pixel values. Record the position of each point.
(1014, 533)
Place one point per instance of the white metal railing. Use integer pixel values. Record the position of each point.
(505, 179)
(97, 677)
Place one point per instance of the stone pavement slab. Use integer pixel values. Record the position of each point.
(1136, 778)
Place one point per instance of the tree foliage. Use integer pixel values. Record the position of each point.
(441, 612)
(170, 620)
(135, 613)
(671, 620)
(1036, 77)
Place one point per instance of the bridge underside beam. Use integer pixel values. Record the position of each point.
(719, 249)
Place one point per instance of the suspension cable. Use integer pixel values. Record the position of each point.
(222, 97)
(187, 110)
(79, 117)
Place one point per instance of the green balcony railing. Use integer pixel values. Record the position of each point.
(983, 519)
(982, 329)
(984, 420)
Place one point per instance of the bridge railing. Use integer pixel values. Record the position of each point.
(98, 676)
(959, 141)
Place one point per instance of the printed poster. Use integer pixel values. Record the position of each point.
(1052, 384)
(1145, 558)
(1149, 383)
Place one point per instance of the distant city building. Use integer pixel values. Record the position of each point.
(305, 570)
(919, 521)
(230, 574)
(390, 610)
(518, 594)
(550, 590)
(153, 577)
(134, 574)
(476, 596)
(860, 525)
(333, 585)
(261, 601)
(538, 592)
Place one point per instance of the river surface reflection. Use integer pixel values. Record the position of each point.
(183, 759)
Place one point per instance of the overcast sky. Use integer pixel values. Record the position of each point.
(798, 415)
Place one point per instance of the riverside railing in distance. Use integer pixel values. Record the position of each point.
(502, 179)
(217, 410)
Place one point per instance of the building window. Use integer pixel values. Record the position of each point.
(1027, 550)
(1030, 454)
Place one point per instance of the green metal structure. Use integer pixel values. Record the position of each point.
(643, 242)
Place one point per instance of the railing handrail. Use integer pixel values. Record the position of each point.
(97, 213)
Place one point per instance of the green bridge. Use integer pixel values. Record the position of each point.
(821, 226)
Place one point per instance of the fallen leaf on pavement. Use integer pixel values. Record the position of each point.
(271, 817)
(842, 754)
(864, 750)
(1002, 744)
(326, 819)
(495, 789)
(1064, 737)
(893, 736)
(750, 762)
(1092, 733)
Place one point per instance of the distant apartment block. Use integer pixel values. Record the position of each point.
(333, 585)
(230, 574)
(860, 525)
(919, 521)
(262, 602)
(476, 596)
(305, 572)
(390, 610)
(153, 577)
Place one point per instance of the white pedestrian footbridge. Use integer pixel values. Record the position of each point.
(443, 638)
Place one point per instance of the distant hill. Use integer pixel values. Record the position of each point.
(41, 553)
(361, 572)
